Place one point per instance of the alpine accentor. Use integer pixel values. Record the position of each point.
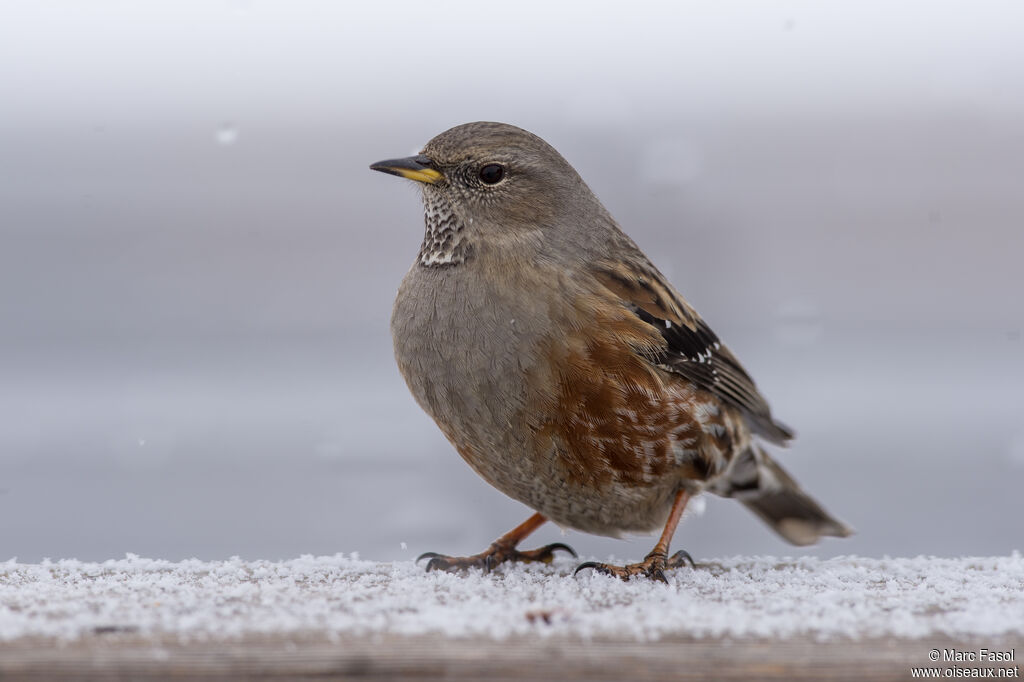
(564, 368)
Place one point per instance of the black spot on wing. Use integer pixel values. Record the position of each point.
(699, 356)
(693, 345)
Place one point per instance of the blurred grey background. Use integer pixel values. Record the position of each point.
(197, 267)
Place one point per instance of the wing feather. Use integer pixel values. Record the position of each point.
(692, 350)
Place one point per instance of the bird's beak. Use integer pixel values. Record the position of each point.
(418, 168)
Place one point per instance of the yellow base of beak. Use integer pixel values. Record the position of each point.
(426, 175)
(416, 168)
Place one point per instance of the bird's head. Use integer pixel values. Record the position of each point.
(492, 185)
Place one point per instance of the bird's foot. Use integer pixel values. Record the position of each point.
(653, 566)
(497, 553)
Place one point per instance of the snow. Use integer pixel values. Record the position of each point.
(845, 597)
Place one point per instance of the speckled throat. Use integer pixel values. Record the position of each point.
(444, 239)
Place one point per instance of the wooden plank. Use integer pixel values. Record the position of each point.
(117, 656)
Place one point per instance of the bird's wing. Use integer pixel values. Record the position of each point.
(691, 349)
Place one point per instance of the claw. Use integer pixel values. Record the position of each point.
(600, 568)
(545, 554)
(561, 545)
(653, 566)
(680, 559)
(489, 559)
(427, 555)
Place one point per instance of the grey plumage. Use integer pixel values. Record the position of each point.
(561, 364)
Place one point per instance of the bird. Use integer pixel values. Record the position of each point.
(564, 367)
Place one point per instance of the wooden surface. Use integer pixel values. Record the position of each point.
(119, 656)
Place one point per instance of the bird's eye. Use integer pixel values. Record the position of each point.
(492, 174)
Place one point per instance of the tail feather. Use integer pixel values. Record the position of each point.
(756, 480)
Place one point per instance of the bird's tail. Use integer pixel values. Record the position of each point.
(757, 481)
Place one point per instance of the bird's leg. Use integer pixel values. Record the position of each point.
(501, 550)
(654, 564)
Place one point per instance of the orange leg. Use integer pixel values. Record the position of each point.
(519, 533)
(654, 564)
(678, 506)
(501, 550)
